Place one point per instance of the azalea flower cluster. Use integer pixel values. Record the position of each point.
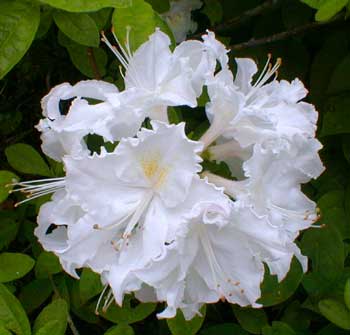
(145, 215)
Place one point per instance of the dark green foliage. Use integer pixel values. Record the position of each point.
(47, 42)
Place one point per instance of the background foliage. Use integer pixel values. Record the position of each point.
(44, 43)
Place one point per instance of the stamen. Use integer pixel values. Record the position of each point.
(267, 72)
(100, 299)
(34, 189)
(108, 301)
(114, 50)
(216, 270)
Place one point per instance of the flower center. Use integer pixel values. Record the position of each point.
(154, 172)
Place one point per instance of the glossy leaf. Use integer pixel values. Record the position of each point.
(14, 266)
(86, 5)
(9, 226)
(252, 320)
(347, 294)
(83, 57)
(213, 9)
(325, 249)
(340, 77)
(179, 326)
(6, 179)
(79, 27)
(274, 292)
(54, 314)
(128, 314)
(34, 294)
(142, 20)
(12, 315)
(334, 48)
(335, 312)
(47, 264)
(160, 6)
(121, 329)
(335, 120)
(329, 8)
(89, 285)
(24, 158)
(278, 328)
(19, 22)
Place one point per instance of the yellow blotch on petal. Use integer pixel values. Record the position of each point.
(154, 171)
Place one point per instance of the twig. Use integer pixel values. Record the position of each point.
(278, 37)
(93, 64)
(242, 18)
(69, 319)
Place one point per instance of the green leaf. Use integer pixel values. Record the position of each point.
(278, 328)
(142, 20)
(334, 48)
(296, 316)
(81, 59)
(347, 294)
(121, 329)
(102, 18)
(335, 312)
(332, 199)
(81, 28)
(4, 331)
(325, 248)
(160, 6)
(128, 314)
(252, 320)
(86, 5)
(12, 315)
(19, 22)
(336, 120)
(45, 22)
(174, 115)
(49, 328)
(329, 8)
(213, 9)
(84, 312)
(315, 3)
(340, 78)
(6, 179)
(295, 14)
(89, 285)
(47, 264)
(35, 293)
(273, 292)
(224, 329)
(9, 225)
(24, 158)
(57, 314)
(179, 326)
(14, 266)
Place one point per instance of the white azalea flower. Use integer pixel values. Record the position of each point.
(272, 187)
(178, 17)
(139, 191)
(67, 230)
(202, 58)
(141, 216)
(64, 134)
(251, 113)
(157, 77)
